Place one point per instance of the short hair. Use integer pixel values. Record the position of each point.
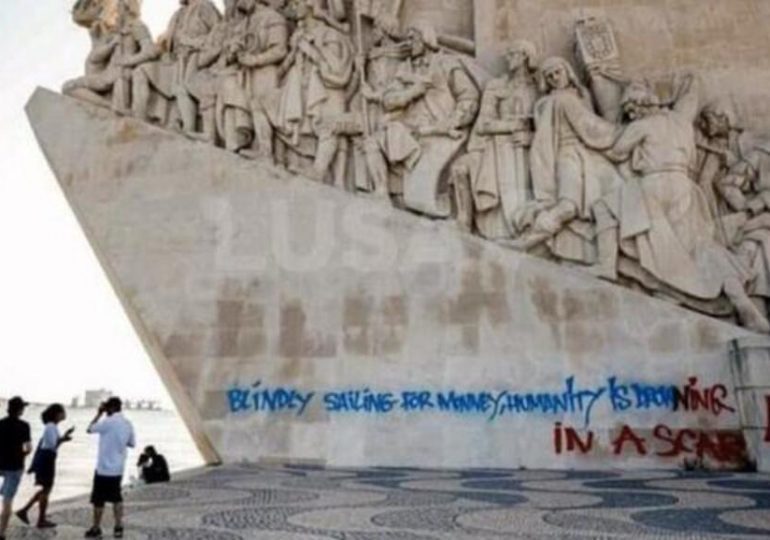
(115, 404)
(16, 406)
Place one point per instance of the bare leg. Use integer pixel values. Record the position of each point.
(748, 313)
(98, 513)
(5, 515)
(43, 507)
(117, 510)
(35, 498)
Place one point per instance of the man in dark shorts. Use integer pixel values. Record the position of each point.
(116, 436)
(15, 444)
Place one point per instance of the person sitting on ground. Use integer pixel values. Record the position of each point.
(116, 436)
(14, 446)
(153, 467)
(44, 464)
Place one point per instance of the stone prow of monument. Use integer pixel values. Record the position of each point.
(296, 322)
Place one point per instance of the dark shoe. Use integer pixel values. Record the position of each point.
(22, 515)
(46, 525)
(94, 532)
(118, 532)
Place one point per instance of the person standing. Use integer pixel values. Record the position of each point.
(15, 444)
(44, 464)
(116, 436)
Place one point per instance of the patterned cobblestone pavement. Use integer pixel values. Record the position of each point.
(305, 503)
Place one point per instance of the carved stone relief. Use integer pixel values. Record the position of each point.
(634, 181)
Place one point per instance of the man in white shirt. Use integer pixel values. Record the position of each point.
(116, 436)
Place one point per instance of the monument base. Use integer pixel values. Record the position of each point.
(293, 321)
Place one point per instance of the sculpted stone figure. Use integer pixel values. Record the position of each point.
(569, 175)
(492, 180)
(378, 67)
(119, 41)
(662, 219)
(612, 180)
(431, 106)
(211, 67)
(174, 76)
(259, 46)
(318, 70)
(734, 164)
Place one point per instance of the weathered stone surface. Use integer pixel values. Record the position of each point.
(241, 278)
(725, 42)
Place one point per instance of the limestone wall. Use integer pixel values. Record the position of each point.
(726, 41)
(266, 299)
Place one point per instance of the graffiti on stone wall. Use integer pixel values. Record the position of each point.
(570, 399)
(663, 441)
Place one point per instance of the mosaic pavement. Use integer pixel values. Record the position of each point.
(302, 503)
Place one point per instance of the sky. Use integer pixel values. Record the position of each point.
(62, 328)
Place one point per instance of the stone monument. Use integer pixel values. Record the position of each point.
(358, 233)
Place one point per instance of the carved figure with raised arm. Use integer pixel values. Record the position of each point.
(313, 105)
(492, 181)
(431, 106)
(173, 76)
(119, 41)
(568, 173)
(660, 218)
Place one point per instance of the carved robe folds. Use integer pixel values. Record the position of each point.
(438, 121)
(186, 35)
(314, 97)
(499, 156)
(566, 165)
(665, 222)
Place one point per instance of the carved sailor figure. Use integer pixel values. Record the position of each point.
(492, 180)
(119, 41)
(431, 105)
(318, 71)
(172, 76)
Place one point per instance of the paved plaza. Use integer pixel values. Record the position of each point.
(304, 503)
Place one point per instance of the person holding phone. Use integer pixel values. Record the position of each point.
(44, 464)
(116, 436)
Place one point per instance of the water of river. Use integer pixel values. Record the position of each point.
(77, 459)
